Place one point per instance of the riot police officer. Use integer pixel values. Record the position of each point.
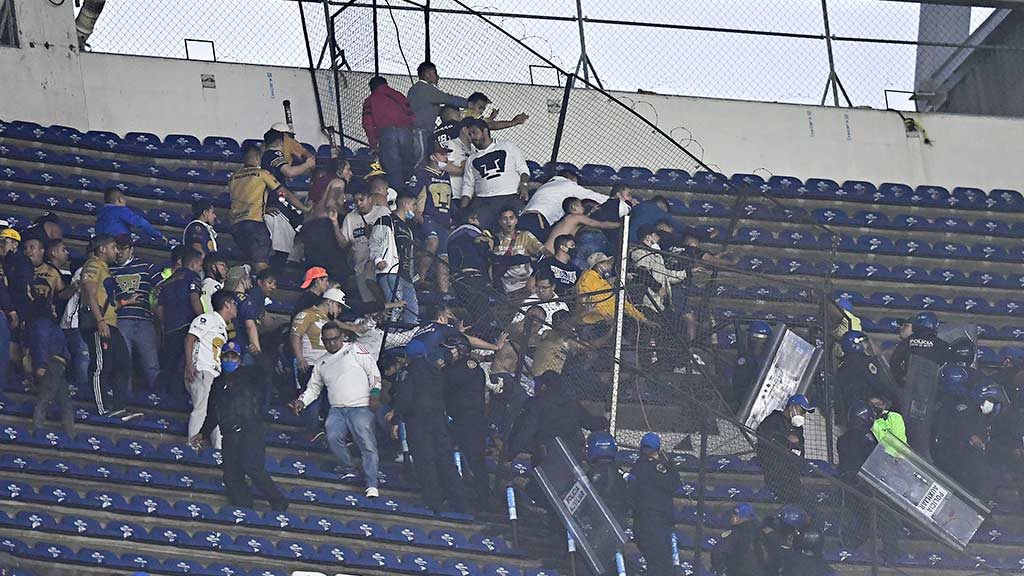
(739, 551)
(748, 363)
(859, 374)
(964, 352)
(976, 441)
(781, 438)
(778, 533)
(923, 341)
(420, 404)
(855, 445)
(955, 386)
(808, 559)
(605, 475)
(651, 491)
(464, 399)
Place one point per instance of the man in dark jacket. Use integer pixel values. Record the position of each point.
(652, 489)
(739, 551)
(421, 405)
(923, 341)
(605, 475)
(235, 405)
(781, 438)
(464, 398)
(808, 560)
(552, 413)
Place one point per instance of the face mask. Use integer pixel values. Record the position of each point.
(797, 421)
(987, 407)
(410, 215)
(877, 411)
(441, 165)
(655, 246)
(229, 366)
(608, 273)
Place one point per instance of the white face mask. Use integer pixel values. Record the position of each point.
(987, 407)
(655, 246)
(441, 165)
(797, 421)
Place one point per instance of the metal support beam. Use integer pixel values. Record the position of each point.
(376, 42)
(332, 45)
(569, 81)
(426, 31)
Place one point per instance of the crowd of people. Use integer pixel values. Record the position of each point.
(444, 306)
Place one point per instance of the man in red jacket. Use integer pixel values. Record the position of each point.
(388, 122)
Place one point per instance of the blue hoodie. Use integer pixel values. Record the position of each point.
(117, 220)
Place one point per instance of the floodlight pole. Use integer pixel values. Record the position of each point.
(620, 308)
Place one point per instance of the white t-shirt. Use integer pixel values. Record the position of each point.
(70, 319)
(459, 153)
(494, 171)
(355, 229)
(209, 287)
(548, 198)
(212, 332)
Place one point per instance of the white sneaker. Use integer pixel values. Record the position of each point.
(372, 492)
(114, 413)
(131, 416)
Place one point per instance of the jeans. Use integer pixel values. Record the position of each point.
(79, 360)
(406, 292)
(358, 421)
(397, 155)
(143, 346)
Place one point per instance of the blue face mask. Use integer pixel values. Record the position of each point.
(229, 366)
(410, 215)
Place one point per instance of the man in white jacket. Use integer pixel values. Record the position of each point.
(392, 251)
(545, 207)
(350, 374)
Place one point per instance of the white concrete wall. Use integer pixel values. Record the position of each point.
(58, 85)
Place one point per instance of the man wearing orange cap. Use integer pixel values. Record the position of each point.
(314, 284)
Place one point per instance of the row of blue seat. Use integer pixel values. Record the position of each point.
(224, 148)
(284, 550)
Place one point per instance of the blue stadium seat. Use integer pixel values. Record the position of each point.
(62, 136)
(182, 146)
(843, 270)
(1005, 200)
(193, 510)
(671, 179)
(32, 520)
(874, 244)
(968, 199)
(710, 209)
(822, 189)
(988, 279)
(797, 239)
(24, 130)
(908, 247)
(142, 144)
(754, 236)
(788, 214)
(1012, 281)
(295, 550)
(707, 182)
(953, 225)
(899, 194)
(854, 191)
(928, 302)
(987, 227)
(1009, 307)
(989, 252)
(597, 175)
(765, 265)
(871, 219)
(931, 196)
(377, 560)
(150, 506)
(334, 554)
(1010, 333)
(871, 271)
(753, 211)
(221, 148)
(987, 356)
(948, 276)
(159, 217)
(417, 563)
(887, 300)
(785, 186)
(501, 570)
(635, 176)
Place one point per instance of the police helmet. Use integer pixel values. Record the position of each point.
(861, 414)
(759, 330)
(809, 542)
(954, 380)
(964, 350)
(601, 445)
(989, 391)
(650, 442)
(854, 342)
(793, 517)
(925, 324)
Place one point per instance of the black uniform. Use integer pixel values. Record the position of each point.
(931, 347)
(860, 377)
(804, 565)
(421, 405)
(744, 375)
(781, 469)
(465, 401)
(853, 448)
(653, 486)
(610, 484)
(739, 552)
(236, 402)
(552, 413)
(975, 466)
(777, 542)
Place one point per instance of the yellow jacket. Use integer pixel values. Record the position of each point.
(602, 304)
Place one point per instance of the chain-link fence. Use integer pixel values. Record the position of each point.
(875, 53)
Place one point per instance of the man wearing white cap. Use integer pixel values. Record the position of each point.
(292, 149)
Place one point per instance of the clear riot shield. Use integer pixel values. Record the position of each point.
(951, 332)
(920, 401)
(596, 531)
(791, 364)
(912, 485)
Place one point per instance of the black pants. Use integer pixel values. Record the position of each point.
(244, 453)
(53, 387)
(653, 535)
(434, 459)
(471, 432)
(172, 362)
(535, 223)
(110, 369)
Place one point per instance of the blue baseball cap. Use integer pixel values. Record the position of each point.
(650, 441)
(801, 401)
(745, 511)
(845, 304)
(231, 346)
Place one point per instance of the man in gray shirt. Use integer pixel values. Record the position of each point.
(426, 100)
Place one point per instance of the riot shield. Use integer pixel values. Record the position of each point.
(791, 364)
(596, 531)
(920, 402)
(936, 502)
(951, 332)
